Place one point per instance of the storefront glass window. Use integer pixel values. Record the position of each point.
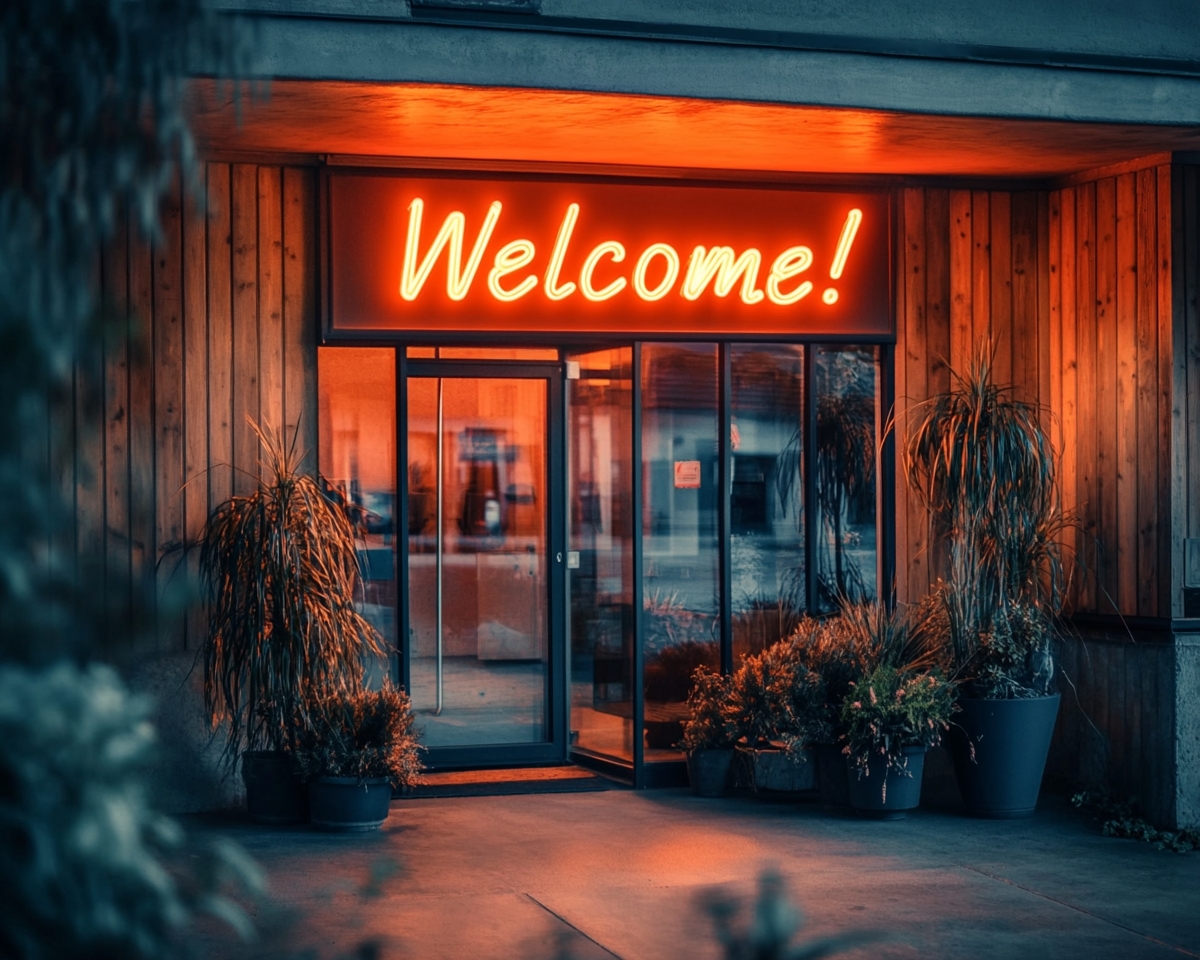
(681, 549)
(767, 516)
(600, 562)
(357, 462)
(847, 435)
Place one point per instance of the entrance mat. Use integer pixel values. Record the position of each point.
(496, 783)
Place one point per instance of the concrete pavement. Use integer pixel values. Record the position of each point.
(617, 874)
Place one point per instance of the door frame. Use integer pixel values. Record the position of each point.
(557, 692)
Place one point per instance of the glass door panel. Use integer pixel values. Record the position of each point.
(766, 509)
(477, 559)
(600, 565)
(681, 588)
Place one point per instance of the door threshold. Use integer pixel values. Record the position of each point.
(511, 781)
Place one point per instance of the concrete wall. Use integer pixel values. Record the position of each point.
(1106, 62)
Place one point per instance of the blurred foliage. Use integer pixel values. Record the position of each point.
(92, 129)
(768, 929)
(93, 136)
(363, 734)
(86, 863)
(284, 633)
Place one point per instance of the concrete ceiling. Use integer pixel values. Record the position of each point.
(504, 125)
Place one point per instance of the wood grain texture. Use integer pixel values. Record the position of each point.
(219, 269)
(195, 398)
(1147, 456)
(1126, 398)
(168, 413)
(246, 397)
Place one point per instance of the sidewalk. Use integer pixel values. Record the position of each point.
(617, 874)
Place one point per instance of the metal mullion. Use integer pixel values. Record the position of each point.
(724, 504)
(809, 506)
(639, 775)
(885, 475)
(400, 520)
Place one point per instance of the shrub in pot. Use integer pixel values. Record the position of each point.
(772, 698)
(357, 748)
(709, 733)
(839, 652)
(891, 718)
(982, 463)
(281, 571)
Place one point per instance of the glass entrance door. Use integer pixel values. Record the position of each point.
(483, 562)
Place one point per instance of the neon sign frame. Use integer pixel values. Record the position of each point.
(423, 254)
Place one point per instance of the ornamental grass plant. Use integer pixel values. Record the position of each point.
(284, 633)
(981, 462)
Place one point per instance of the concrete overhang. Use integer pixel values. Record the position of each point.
(497, 125)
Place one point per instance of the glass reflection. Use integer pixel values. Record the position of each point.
(847, 431)
(600, 566)
(767, 494)
(357, 458)
(680, 490)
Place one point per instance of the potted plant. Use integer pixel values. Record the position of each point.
(891, 718)
(771, 699)
(356, 749)
(840, 651)
(281, 571)
(982, 463)
(709, 734)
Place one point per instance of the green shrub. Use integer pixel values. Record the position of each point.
(363, 735)
(712, 725)
(889, 710)
(87, 867)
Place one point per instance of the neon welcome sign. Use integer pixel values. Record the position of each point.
(455, 253)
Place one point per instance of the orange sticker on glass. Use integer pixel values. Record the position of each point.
(469, 253)
(687, 474)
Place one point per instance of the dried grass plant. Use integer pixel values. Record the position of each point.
(980, 461)
(284, 633)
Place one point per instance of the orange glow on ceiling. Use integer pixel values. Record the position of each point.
(504, 125)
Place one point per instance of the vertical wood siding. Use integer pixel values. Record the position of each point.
(220, 322)
(1075, 288)
(1066, 286)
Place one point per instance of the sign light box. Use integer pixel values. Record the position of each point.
(440, 254)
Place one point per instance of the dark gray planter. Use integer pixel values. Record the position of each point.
(708, 771)
(887, 793)
(833, 779)
(774, 771)
(344, 803)
(273, 794)
(1011, 740)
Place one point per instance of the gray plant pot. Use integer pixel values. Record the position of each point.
(775, 772)
(344, 803)
(708, 771)
(1011, 740)
(273, 794)
(887, 793)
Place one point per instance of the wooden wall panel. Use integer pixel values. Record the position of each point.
(215, 321)
(1075, 288)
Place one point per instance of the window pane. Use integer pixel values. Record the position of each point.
(600, 471)
(680, 531)
(357, 457)
(766, 502)
(847, 435)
